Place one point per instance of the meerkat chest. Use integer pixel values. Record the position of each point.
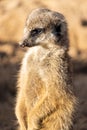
(34, 58)
(32, 63)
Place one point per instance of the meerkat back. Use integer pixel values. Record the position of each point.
(45, 99)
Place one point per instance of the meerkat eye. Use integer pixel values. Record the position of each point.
(36, 31)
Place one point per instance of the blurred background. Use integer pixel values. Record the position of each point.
(13, 15)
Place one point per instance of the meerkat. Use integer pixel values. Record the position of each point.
(46, 99)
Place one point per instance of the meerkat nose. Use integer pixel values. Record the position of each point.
(23, 43)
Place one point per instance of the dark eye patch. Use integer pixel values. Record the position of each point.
(36, 31)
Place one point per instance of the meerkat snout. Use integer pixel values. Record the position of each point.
(23, 43)
(43, 28)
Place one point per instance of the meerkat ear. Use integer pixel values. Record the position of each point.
(58, 29)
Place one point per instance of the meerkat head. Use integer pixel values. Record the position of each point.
(45, 28)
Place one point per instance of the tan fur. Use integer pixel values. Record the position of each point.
(45, 99)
